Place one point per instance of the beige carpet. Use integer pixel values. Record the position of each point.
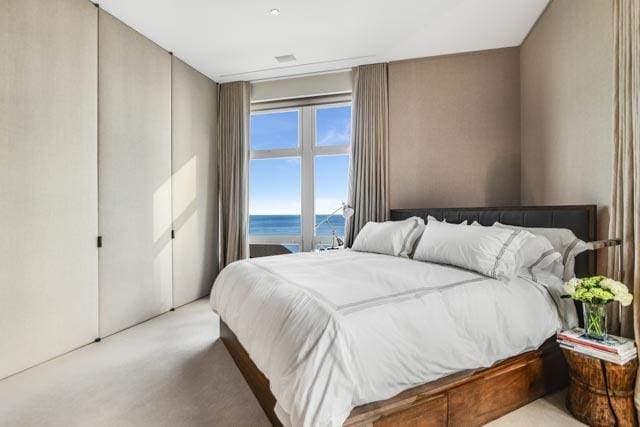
(546, 412)
(169, 371)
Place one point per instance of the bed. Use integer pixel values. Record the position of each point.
(355, 338)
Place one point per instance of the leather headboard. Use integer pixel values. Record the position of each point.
(580, 219)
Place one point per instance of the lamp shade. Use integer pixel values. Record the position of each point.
(347, 210)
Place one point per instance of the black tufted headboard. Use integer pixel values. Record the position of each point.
(580, 219)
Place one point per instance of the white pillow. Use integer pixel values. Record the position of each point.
(537, 253)
(491, 251)
(434, 219)
(563, 241)
(395, 238)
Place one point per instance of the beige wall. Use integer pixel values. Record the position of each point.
(194, 183)
(48, 180)
(81, 99)
(455, 130)
(134, 205)
(566, 90)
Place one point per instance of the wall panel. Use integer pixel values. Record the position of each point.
(567, 73)
(454, 130)
(195, 205)
(48, 180)
(134, 176)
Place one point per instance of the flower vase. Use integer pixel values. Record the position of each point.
(595, 320)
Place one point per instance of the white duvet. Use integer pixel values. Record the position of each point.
(338, 329)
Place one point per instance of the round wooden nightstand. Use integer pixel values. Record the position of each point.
(601, 393)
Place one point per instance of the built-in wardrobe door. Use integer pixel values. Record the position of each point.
(48, 180)
(134, 106)
(195, 205)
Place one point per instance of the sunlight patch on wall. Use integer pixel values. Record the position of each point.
(185, 185)
(161, 217)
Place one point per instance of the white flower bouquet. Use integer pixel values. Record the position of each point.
(595, 293)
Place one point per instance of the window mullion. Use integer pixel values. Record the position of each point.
(274, 154)
(332, 150)
(308, 208)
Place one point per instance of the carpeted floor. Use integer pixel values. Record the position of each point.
(169, 371)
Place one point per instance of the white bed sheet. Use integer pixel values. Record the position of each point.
(338, 329)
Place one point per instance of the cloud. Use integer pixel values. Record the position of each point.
(274, 207)
(326, 205)
(337, 135)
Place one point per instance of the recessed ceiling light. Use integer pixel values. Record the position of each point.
(275, 12)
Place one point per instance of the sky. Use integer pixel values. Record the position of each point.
(275, 184)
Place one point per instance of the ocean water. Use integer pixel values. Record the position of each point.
(289, 225)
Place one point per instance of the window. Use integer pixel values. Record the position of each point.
(298, 175)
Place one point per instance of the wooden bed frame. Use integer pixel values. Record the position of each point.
(469, 398)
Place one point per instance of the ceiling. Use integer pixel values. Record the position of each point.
(232, 40)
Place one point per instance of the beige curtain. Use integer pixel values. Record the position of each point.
(369, 180)
(625, 216)
(233, 155)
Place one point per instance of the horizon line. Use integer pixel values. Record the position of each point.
(287, 214)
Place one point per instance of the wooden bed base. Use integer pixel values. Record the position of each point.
(470, 398)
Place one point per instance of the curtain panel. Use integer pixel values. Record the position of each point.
(369, 172)
(625, 218)
(233, 155)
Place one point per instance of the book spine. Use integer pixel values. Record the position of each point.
(578, 347)
(594, 353)
(588, 344)
(602, 347)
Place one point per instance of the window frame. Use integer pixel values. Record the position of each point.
(307, 150)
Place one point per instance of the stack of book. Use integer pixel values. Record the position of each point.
(614, 349)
